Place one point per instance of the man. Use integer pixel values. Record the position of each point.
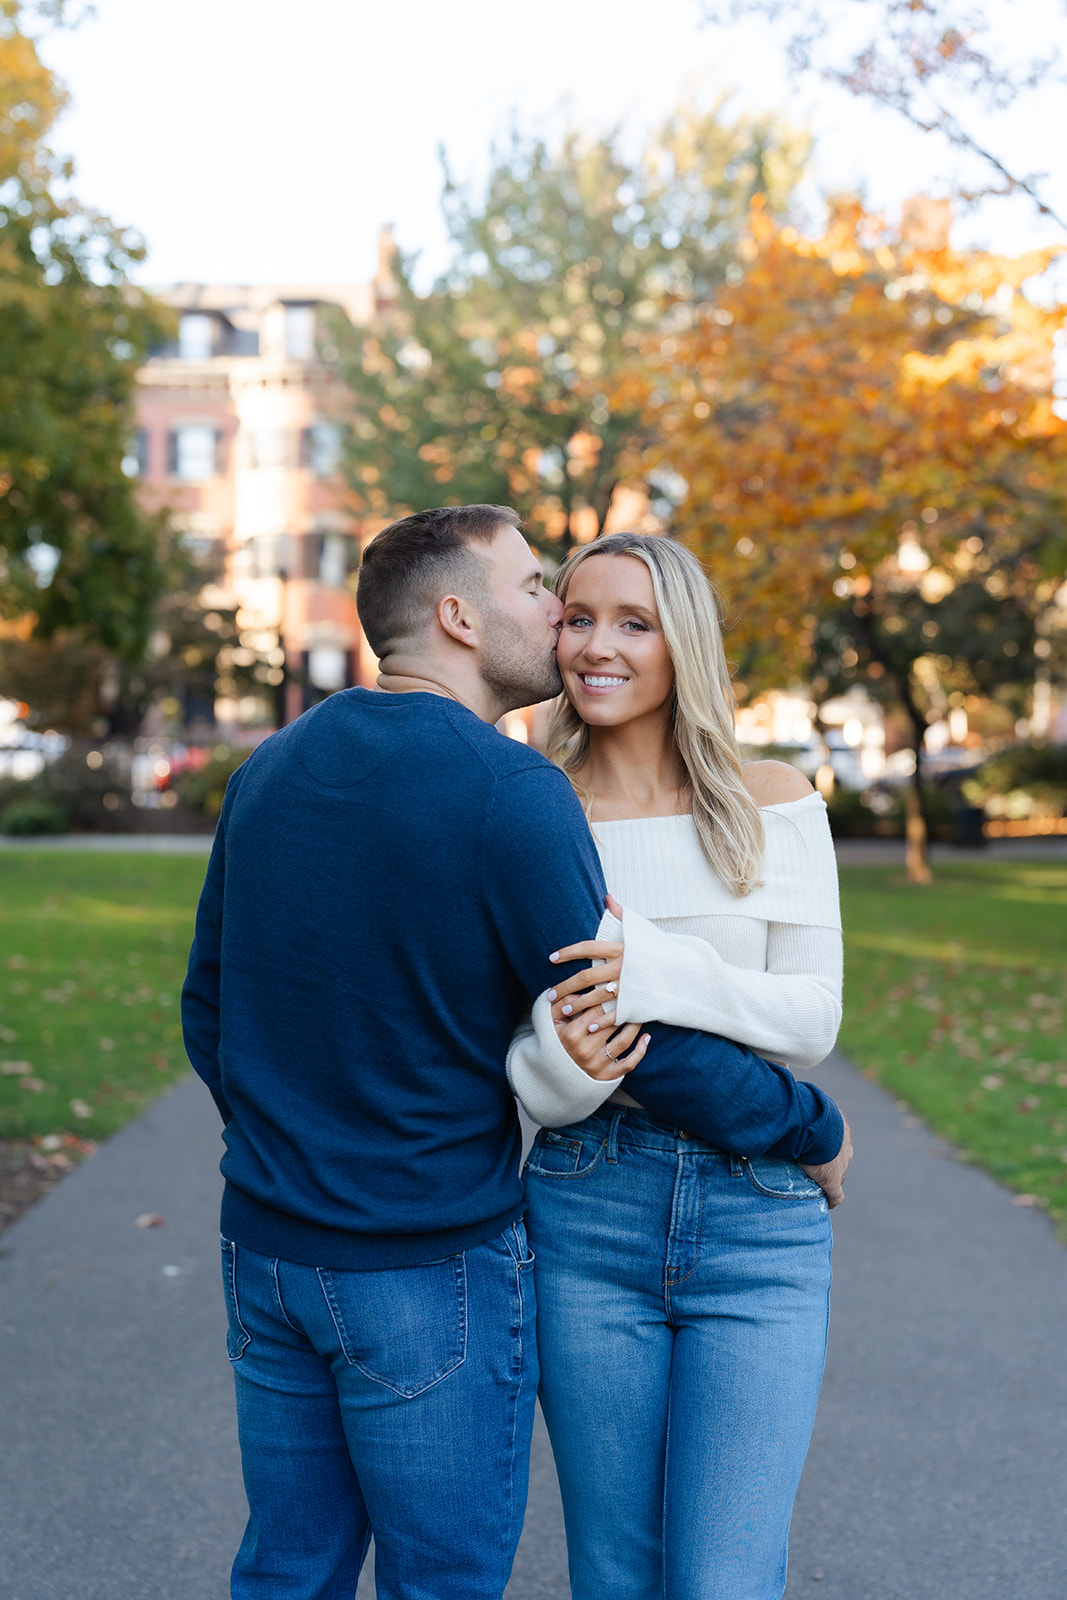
(389, 878)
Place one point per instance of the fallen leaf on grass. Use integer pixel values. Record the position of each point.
(11, 1069)
(1024, 1199)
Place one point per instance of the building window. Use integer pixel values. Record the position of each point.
(329, 558)
(272, 447)
(320, 449)
(193, 452)
(327, 667)
(268, 555)
(300, 332)
(196, 337)
(135, 461)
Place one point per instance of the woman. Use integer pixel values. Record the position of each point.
(682, 1291)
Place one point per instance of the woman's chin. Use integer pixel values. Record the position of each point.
(599, 713)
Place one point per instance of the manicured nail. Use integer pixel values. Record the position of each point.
(552, 994)
(567, 1009)
(594, 1027)
(554, 956)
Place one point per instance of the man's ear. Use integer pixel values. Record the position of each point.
(459, 619)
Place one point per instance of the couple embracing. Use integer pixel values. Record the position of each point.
(405, 924)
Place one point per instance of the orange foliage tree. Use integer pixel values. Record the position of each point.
(876, 475)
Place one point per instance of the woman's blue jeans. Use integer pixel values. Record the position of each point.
(682, 1310)
(399, 1402)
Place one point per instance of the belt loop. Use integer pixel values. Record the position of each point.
(612, 1152)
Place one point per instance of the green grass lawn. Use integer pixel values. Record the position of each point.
(92, 955)
(954, 1000)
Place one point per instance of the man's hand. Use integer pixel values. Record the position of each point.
(831, 1175)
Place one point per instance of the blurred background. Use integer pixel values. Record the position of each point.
(777, 278)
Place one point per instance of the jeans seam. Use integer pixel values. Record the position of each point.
(278, 1296)
(520, 1261)
(513, 1428)
(230, 1282)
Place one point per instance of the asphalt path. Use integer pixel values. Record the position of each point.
(938, 1470)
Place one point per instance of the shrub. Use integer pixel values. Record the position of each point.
(93, 798)
(25, 817)
(852, 816)
(1026, 780)
(879, 813)
(202, 790)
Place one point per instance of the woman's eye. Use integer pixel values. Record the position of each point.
(577, 622)
(632, 622)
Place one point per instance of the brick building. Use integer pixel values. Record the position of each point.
(238, 436)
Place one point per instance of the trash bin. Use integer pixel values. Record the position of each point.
(968, 827)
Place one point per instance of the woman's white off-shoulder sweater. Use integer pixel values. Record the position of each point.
(763, 969)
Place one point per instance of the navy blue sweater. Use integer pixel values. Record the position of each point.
(388, 879)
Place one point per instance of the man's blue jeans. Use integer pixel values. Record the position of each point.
(682, 1311)
(394, 1402)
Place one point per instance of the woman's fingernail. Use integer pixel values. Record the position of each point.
(552, 994)
(554, 956)
(594, 1027)
(566, 1009)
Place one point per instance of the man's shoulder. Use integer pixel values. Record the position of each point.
(503, 756)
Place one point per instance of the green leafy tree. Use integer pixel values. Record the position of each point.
(76, 551)
(503, 383)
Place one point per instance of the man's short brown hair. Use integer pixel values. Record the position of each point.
(409, 566)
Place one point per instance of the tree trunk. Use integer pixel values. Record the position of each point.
(916, 857)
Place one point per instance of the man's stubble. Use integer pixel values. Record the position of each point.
(519, 671)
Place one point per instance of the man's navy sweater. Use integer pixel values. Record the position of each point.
(388, 879)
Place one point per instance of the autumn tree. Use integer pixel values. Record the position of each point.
(937, 63)
(495, 385)
(875, 472)
(76, 552)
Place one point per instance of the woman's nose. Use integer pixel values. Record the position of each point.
(598, 645)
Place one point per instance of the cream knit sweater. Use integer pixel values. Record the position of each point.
(763, 970)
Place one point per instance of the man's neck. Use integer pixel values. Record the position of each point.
(413, 680)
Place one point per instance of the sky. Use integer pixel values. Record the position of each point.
(268, 141)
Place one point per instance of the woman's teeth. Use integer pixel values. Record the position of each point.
(601, 683)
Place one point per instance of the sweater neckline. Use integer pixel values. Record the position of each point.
(687, 816)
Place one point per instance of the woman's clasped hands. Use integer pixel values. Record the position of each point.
(583, 1010)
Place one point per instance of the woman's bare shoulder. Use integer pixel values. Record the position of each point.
(772, 782)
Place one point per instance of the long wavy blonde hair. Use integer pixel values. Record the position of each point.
(726, 817)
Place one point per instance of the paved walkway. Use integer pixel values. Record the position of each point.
(937, 1472)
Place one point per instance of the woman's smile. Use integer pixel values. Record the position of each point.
(598, 684)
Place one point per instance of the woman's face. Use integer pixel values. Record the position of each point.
(612, 654)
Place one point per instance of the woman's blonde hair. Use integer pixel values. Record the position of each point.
(727, 819)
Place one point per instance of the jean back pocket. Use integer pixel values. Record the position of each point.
(405, 1327)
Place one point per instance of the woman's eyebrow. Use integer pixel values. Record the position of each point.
(620, 610)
